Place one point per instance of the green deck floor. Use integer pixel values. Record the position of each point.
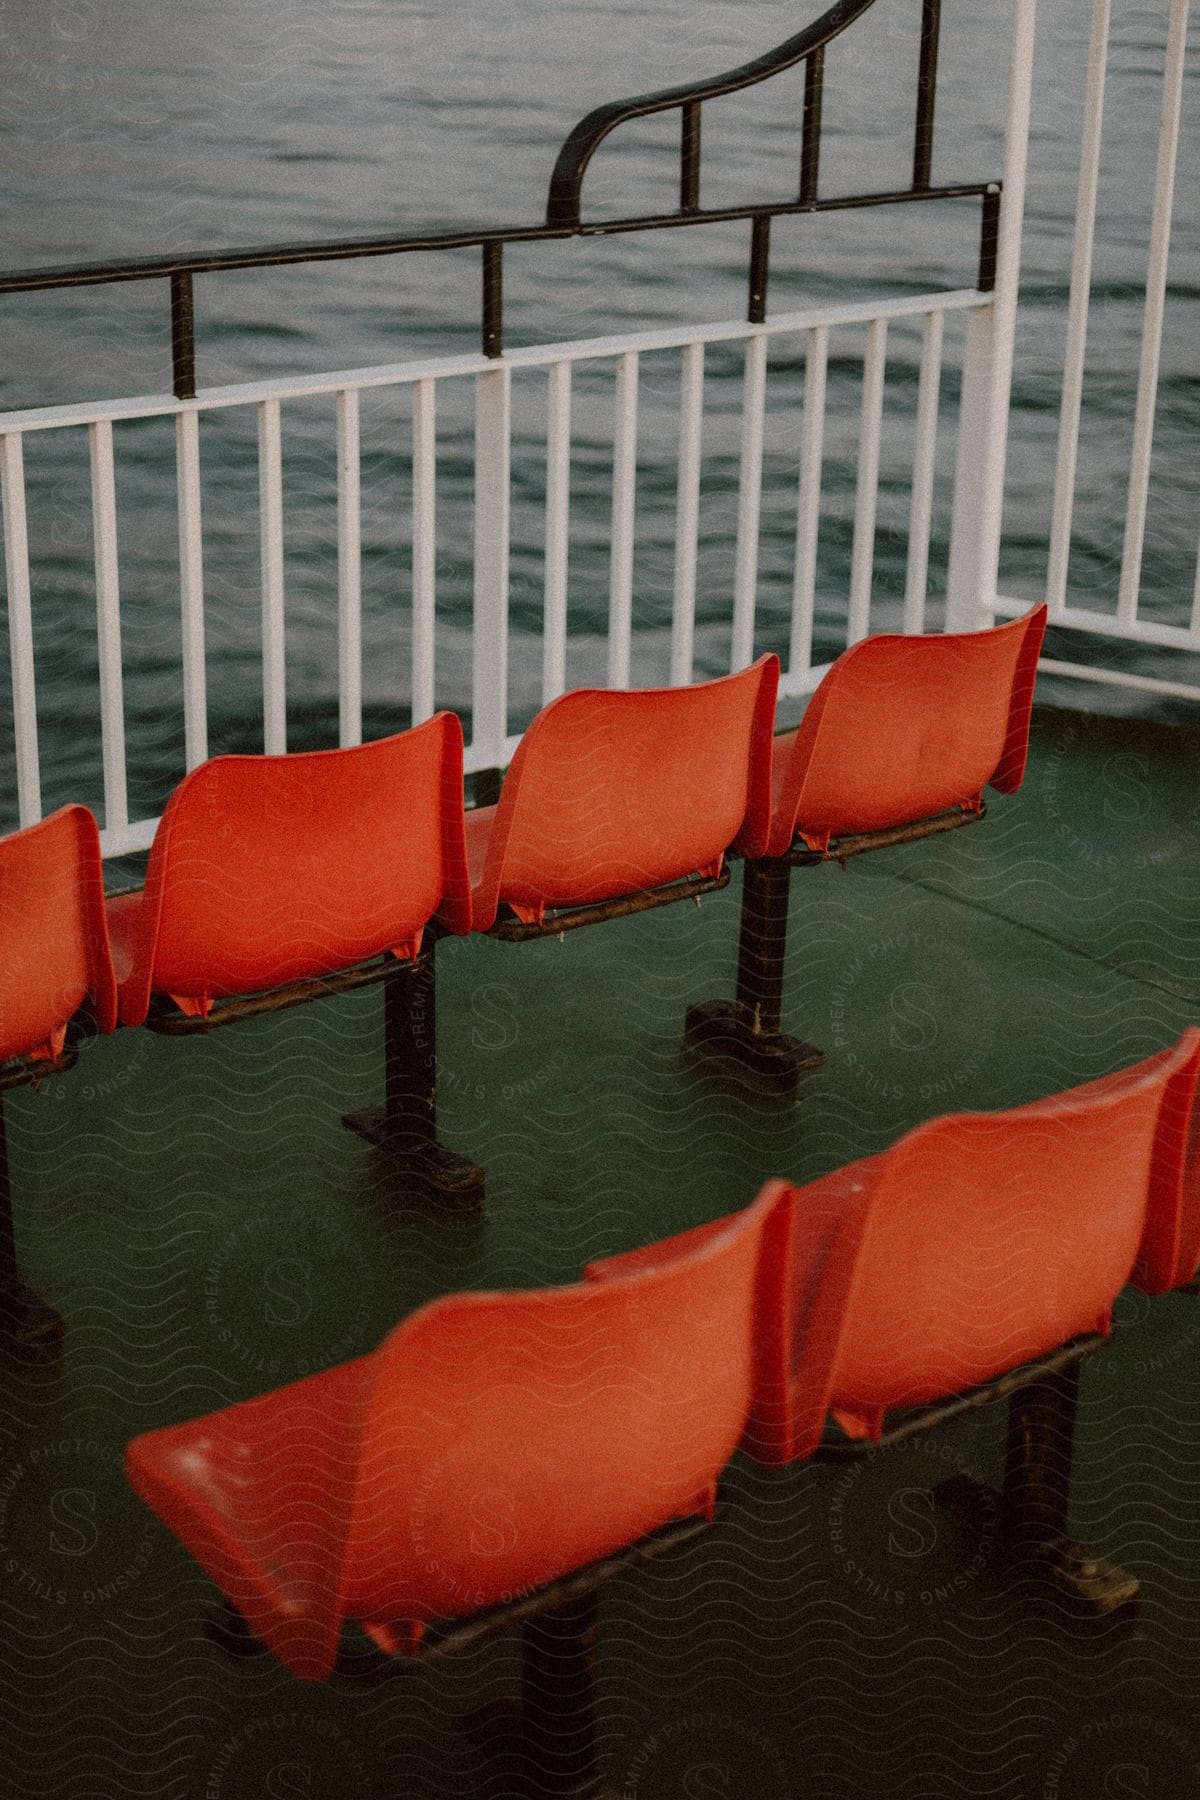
(208, 1230)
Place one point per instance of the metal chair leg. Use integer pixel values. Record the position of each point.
(28, 1326)
(1030, 1511)
(747, 1028)
(405, 1126)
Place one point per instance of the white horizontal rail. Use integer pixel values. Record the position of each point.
(1122, 678)
(538, 356)
(1133, 631)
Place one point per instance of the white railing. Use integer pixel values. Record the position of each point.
(497, 657)
(492, 741)
(1073, 606)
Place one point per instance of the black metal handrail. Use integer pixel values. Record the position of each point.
(563, 203)
(563, 216)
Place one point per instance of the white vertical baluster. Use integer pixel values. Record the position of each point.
(862, 557)
(558, 506)
(687, 513)
(1077, 310)
(1156, 288)
(987, 369)
(270, 524)
(924, 454)
(620, 596)
(493, 414)
(974, 410)
(108, 627)
(20, 629)
(424, 546)
(745, 581)
(191, 588)
(349, 515)
(808, 508)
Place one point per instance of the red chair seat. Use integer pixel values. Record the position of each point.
(904, 728)
(54, 947)
(493, 1443)
(268, 870)
(612, 793)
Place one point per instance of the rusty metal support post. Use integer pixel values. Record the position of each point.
(1031, 1509)
(405, 1126)
(558, 1700)
(28, 1326)
(1037, 1462)
(747, 1028)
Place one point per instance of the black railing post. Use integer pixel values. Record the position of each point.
(760, 253)
(689, 156)
(989, 237)
(931, 18)
(493, 299)
(810, 131)
(183, 338)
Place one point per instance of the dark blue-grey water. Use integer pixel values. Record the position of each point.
(139, 129)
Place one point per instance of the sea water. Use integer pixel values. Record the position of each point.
(138, 129)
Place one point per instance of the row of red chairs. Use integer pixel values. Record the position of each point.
(277, 879)
(591, 1415)
(268, 870)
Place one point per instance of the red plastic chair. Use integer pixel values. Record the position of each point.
(898, 743)
(278, 879)
(493, 1443)
(55, 949)
(613, 793)
(976, 1243)
(268, 870)
(906, 728)
(54, 957)
(976, 1260)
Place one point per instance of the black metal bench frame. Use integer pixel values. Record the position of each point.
(545, 1744)
(29, 1325)
(748, 1028)
(404, 1127)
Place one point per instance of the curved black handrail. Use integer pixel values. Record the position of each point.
(566, 183)
(563, 213)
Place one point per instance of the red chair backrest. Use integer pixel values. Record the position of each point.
(1169, 1253)
(613, 791)
(978, 1242)
(510, 1438)
(905, 727)
(270, 869)
(54, 947)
